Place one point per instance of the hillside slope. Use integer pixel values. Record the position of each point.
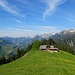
(37, 62)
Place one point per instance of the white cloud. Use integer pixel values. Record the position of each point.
(10, 8)
(18, 21)
(47, 29)
(15, 32)
(51, 6)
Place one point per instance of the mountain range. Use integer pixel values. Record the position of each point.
(9, 45)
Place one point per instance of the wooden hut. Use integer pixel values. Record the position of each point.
(49, 48)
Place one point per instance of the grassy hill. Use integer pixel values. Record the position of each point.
(37, 62)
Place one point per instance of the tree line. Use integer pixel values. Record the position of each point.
(20, 53)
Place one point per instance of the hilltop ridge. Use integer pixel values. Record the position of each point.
(37, 62)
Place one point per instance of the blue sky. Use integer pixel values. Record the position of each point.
(19, 18)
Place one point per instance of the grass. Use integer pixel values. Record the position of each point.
(37, 62)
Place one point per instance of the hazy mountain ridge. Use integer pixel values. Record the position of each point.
(9, 45)
(67, 36)
(5, 42)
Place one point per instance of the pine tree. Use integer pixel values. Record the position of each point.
(18, 53)
(44, 42)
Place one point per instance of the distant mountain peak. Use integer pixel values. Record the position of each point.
(47, 35)
(71, 30)
(67, 31)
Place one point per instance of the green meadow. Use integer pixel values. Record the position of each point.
(36, 62)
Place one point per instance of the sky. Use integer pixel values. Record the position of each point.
(22, 18)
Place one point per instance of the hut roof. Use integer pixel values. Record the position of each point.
(43, 46)
(54, 48)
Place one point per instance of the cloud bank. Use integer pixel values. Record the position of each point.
(26, 31)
